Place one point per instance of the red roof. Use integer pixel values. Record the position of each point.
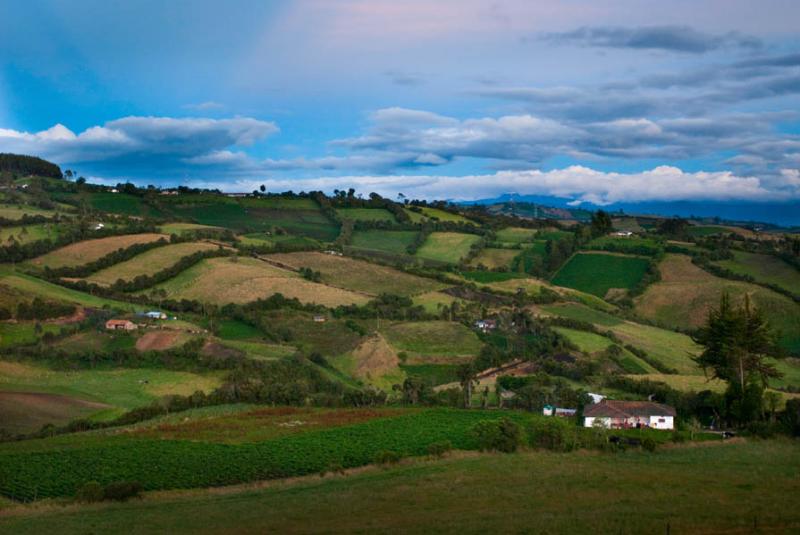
(627, 409)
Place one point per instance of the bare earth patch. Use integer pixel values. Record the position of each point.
(374, 357)
(160, 340)
(28, 411)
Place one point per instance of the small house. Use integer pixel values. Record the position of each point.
(120, 325)
(624, 233)
(550, 410)
(486, 325)
(156, 315)
(319, 318)
(613, 414)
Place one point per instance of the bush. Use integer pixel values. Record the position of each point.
(439, 449)
(90, 492)
(649, 444)
(123, 490)
(553, 434)
(498, 435)
(385, 457)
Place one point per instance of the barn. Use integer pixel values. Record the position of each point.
(614, 414)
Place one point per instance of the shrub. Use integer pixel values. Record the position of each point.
(90, 492)
(553, 434)
(439, 449)
(385, 457)
(122, 491)
(498, 435)
(649, 444)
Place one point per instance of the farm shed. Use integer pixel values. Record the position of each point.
(120, 325)
(627, 414)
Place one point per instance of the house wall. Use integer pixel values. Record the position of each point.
(661, 422)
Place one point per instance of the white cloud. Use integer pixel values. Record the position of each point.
(576, 183)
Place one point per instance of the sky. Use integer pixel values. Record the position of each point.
(585, 101)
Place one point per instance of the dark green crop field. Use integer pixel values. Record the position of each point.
(598, 273)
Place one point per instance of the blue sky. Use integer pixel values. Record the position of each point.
(587, 101)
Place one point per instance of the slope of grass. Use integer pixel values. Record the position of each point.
(436, 214)
(365, 214)
(598, 273)
(148, 263)
(46, 290)
(358, 275)
(764, 268)
(29, 233)
(742, 484)
(80, 253)
(516, 235)
(432, 341)
(686, 293)
(492, 258)
(448, 247)
(392, 241)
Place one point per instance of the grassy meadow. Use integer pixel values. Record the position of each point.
(765, 269)
(449, 247)
(390, 241)
(598, 273)
(80, 253)
(148, 263)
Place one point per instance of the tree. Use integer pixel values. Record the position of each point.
(737, 344)
(467, 377)
(263, 188)
(601, 223)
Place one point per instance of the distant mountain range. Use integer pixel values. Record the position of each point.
(781, 214)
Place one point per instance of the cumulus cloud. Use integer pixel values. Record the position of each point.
(669, 38)
(576, 184)
(157, 138)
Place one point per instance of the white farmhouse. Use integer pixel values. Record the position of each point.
(614, 414)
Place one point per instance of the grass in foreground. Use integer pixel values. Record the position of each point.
(740, 483)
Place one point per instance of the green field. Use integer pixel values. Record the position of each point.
(516, 235)
(181, 228)
(765, 269)
(435, 213)
(488, 277)
(449, 247)
(594, 343)
(432, 341)
(148, 263)
(686, 293)
(631, 245)
(491, 258)
(83, 252)
(366, 214)
(38, 288)
(14, 212)
(742, 484)
(391, 241)
(358, 275)
(598, 273)
(29, 233)
(23, 333)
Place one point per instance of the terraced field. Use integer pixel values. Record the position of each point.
(685, 294)
(596, 273)
(765, 269)
(448, 247)
(87, 251)
(223, 280)
(148, 263)
(495, 258)
(391, 241)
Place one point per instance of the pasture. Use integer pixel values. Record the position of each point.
(181, 228)
(358, 275)
(433, 341)
(391, 241)
(431, 301)
(597, 273)
(38, 288)
(495, 258)
(592, 343)
(449, 247)
(241, 280)
(365, 214)
(516, 235)
(122, 203)
(753, 483)
(28, 233)
(765, 269)
(427, 212)
(686, 293)
(80, 253)
(15, 212)
(148, 263)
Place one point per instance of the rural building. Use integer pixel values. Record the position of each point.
(486, 325)
(549, 410)
(614, 414)
(624, 233)
(120, 325)
(319, 318)
(156, 315)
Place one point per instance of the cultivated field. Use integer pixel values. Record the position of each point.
(448, 247)
(431, 301)
(516, 235)
(223, 280)
(765, 269)
(358, 275)
(180, 228)
(495, 258)
(435, 213)
(365, 214)
(685, 294)
(753, 483)
(13, 212)
(391, 241)
(433, 341)
(28, 234)
(592, 343)
(26, 412)
(148, 263)
(87, 251)
(597, 273)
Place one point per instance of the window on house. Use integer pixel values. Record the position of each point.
(662, 420)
